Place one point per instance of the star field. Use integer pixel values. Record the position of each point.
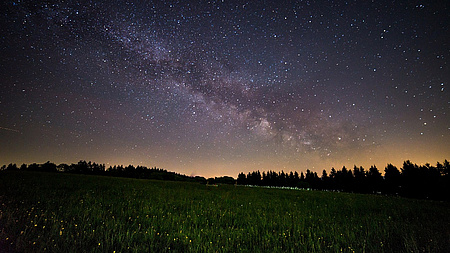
(220, 87)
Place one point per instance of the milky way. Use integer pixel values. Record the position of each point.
(220, 87)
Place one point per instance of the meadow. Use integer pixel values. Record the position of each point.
(60, 212)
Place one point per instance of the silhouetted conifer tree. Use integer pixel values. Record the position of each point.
(392, 179)
(242, 179)
(410, 179)
(374, 179)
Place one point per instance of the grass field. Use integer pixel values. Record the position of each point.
(77, 213)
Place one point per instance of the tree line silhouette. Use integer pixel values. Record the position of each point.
(411, 180)
(130, 171)
(90, 168)
(425, 181)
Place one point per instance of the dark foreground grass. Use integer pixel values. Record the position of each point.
(77, 213)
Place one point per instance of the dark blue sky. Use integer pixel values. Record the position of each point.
(225, 86)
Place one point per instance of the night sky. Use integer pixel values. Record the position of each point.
(222, 87)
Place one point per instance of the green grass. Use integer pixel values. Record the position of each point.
(78, 213)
